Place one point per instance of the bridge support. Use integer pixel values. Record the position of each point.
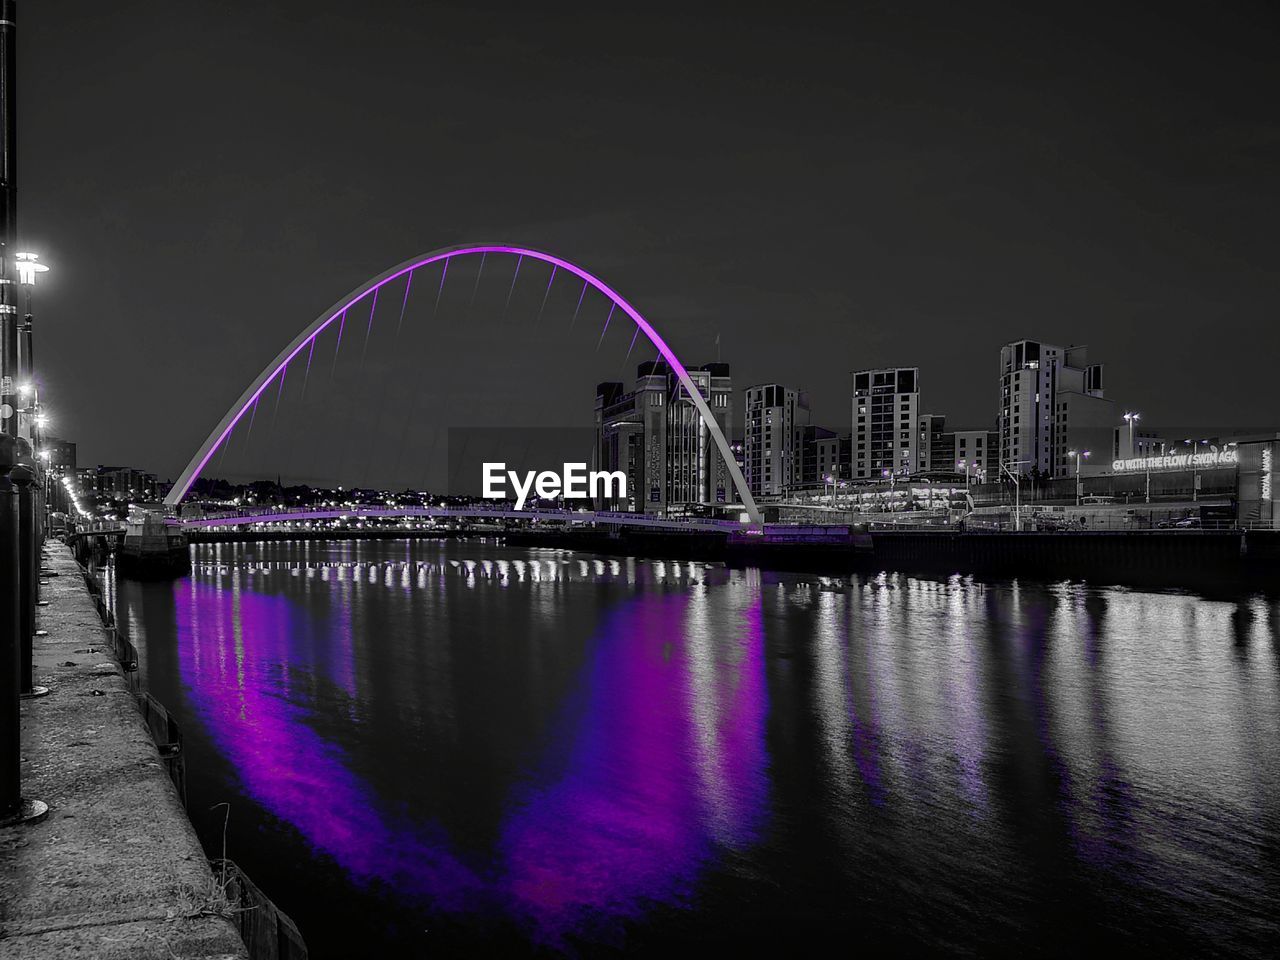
(151, 549)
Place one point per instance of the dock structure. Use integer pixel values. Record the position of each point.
(115, 869)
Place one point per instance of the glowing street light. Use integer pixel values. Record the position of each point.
(1132, 419)
(29, 267)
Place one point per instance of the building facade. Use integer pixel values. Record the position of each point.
(832, 456)
(656, 437)
(818, 445)
(931, 444)
(119, 483)
(62, 455)
(1051, 402)
(975, 453)
(886, 405)
(773, 442)
(1259, 459)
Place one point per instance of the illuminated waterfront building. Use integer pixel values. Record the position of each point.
(886, 403)
(655, 436)
(1051, 402)
(774, 439)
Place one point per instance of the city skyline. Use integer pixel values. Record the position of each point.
(936, 442)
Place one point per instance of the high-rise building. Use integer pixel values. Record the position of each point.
(1051, 402)
(886, 403)
(773, 445)
(655, 435)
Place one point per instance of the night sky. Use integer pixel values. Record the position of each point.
(825, 187)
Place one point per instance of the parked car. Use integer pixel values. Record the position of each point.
(1179, 523)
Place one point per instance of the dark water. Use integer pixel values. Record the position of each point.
(463, 749)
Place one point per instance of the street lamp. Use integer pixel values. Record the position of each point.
(1078, 454)
(1195, 470)
(1132, 419)
(29, 266)
(1017, 489)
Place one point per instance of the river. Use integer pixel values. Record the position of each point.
(458, 747)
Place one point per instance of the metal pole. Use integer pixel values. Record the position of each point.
(26, 580)
(8, 223)
(13, 807)
(27, 372)
(28, 576)
(10, 723)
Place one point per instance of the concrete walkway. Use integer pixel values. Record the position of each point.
(115, 870)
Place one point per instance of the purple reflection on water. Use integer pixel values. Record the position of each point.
(728, 697)
(648, 776)
(233, 658)
(629, 822)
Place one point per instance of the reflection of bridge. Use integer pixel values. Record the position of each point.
(233, 518)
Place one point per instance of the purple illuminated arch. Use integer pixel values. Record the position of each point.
(275, 370)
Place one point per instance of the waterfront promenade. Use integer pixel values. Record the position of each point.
(115, 870)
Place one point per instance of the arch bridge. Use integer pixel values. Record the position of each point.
(337, 313)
